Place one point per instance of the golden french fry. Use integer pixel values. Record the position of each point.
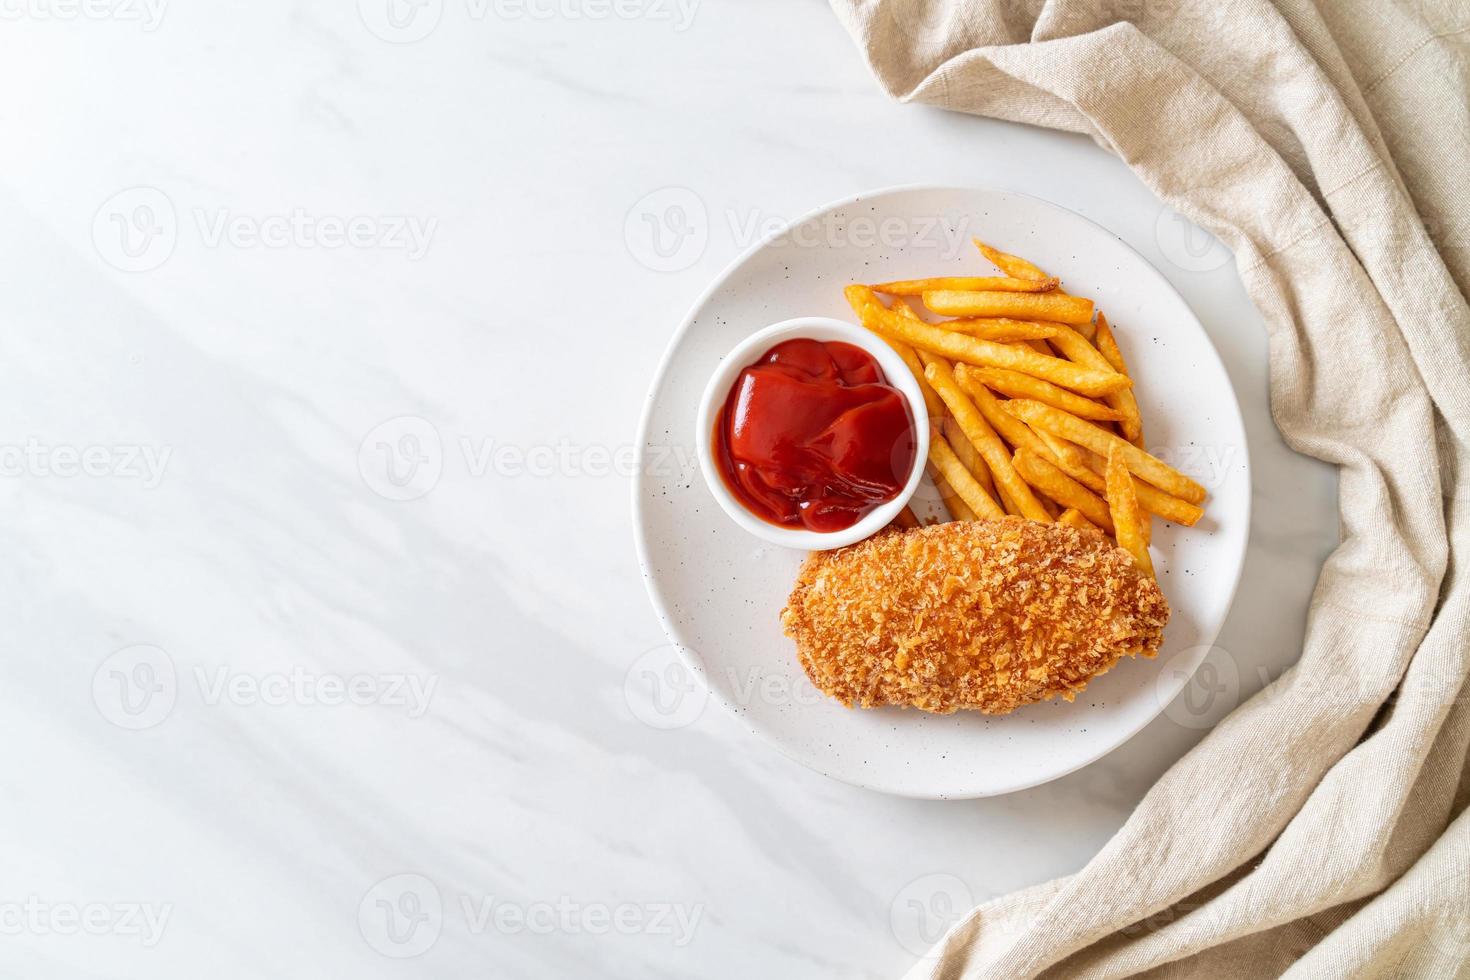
(1001, 330)
(967, 453)
(917, 287)
(883, 321)
(984, 439)
(1012, 265)
(1087, 468)
(916, 366)
(1046, 477)
(1123, 505)
(1017, 385)
(1072, 517)
(1080, 351)
(1008, 502)
(980, 503)
(1018, 268)
(958, 509)
(1124, 401)
(1052, 306)
(1150, 498)
(1063, 453)
(1085, 434)
(1011, 429)
(1075, 348)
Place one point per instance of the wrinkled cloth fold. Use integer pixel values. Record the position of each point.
(1327, 144)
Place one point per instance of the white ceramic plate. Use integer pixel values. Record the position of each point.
(719, 591)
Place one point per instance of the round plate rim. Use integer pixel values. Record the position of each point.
(646, 418)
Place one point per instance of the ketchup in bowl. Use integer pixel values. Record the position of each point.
(812, 436)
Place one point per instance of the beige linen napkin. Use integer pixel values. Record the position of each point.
(1328, 144)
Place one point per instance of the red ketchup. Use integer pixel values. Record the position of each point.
(812, 436)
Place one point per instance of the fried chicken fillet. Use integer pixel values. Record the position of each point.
(985, 615)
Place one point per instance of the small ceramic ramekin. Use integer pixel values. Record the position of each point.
(896, 373)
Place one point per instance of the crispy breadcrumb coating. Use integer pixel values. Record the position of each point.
(987, 615)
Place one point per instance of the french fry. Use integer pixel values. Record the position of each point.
(917, 287)
(1065, 454)
(959, 347)
(1001, 330)
(1123, 505)
(997, 329)
(1053, 306)
(906, 519)
(958, 509)
(1076, 348)
(1089, 436)
(1072, 517)
(1012, 265)
(915, 366)
(967, 453)
(1124, 401)
(1046, 477)
(1080, 351)
(980, 503)
(1011, 429)
(1088, 469)
(1017, 385)
(1018, 268)
(1009, 502)
(1150, 498)
(984, 439)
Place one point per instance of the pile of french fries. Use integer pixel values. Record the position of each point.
(1031, 405)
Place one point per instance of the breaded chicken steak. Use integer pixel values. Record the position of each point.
(986, 615)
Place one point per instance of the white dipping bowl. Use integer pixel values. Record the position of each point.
(895, 372)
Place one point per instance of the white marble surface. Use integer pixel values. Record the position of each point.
(244, 689)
